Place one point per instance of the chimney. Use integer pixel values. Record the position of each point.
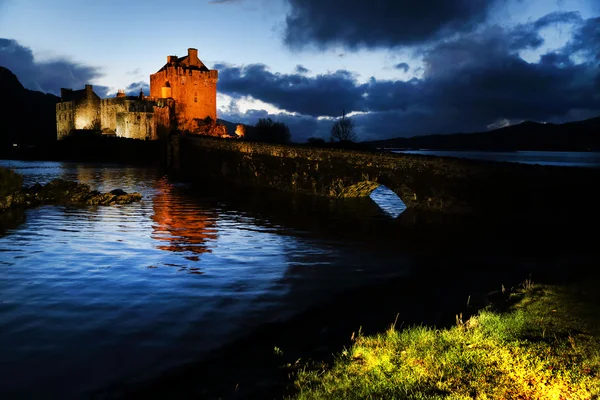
(89, 88)
(193, 53)
(171, 59)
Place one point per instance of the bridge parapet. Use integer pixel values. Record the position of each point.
(432, 183)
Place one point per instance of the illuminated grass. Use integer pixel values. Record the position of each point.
(544, 348)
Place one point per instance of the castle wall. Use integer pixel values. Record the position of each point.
(108, 113)
(87, 110)
(164, 117)
(136, 125)
(110, 108)
(65, 119)
(194, 91)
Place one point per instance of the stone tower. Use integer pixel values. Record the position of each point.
(77, 109)
(191, 84)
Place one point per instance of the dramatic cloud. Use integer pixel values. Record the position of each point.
(382, 23)
(402, 66)
(47, 76)
(321, 95)
(470, 82)
(586, 41)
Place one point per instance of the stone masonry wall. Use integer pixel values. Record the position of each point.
(110, 108)
(136, 125)
(65, 119)
(431, 183)
(164, 116)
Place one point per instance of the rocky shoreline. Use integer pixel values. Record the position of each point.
(59, 191)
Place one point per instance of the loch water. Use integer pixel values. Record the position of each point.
(589, 159)
(90, 296)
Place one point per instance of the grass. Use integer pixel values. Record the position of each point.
(545, 347)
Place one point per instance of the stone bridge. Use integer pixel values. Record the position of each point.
(422, 182)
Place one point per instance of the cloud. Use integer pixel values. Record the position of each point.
(136, 71)
(470, 81)
(379, 24)
(301, 70)
(325, 94)
(402, 66)
(586, 40)
(134, 88)
(301, 126)
(527, 35)
(47, 76)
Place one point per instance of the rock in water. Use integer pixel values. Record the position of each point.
(58, 191)
(118, 192)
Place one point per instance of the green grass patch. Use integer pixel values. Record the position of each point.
(545, 347)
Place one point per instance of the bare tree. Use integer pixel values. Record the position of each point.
(343, 130)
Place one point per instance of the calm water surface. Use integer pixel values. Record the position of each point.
(558, 158)
(90, 296)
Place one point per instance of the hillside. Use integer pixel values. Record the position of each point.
(572, 136)
(28, 117)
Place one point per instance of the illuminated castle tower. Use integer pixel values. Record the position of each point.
(191, 84)
(77, 109)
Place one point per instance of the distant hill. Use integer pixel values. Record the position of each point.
(571, 136)
(27, 117)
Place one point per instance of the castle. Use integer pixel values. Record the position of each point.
(183, 96)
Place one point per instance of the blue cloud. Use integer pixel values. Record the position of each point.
(47, 76)
(402, 66)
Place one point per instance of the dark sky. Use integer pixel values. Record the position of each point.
(473, 76)
(400, 67)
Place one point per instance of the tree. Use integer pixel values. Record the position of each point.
(343, 130)
(269, 131)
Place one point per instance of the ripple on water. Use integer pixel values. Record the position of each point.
(105, 293)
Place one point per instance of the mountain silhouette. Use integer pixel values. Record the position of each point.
(528, 135)
(28, 117)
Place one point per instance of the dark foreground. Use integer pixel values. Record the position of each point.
(457, 263)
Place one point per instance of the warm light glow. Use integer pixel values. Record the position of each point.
(82, 122)
(178, 229)
(240, 131)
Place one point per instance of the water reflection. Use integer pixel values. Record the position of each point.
(181, 226)
(388, 201)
